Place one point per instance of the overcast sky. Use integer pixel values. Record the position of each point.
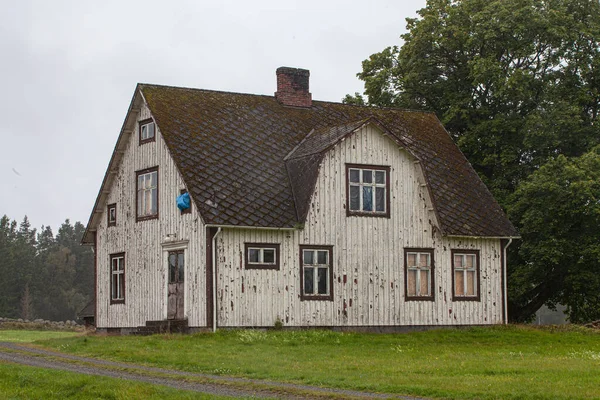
(68, 70)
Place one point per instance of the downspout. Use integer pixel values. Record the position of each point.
(214, 279)
(505, 283)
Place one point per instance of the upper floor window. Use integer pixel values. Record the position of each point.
(418, 265)
(112, 214)
(147, 193)
(117, 278)
(262, 256)
(465, 274)
(368, 190)
(147, 131)
(316, 278)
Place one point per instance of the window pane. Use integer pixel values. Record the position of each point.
(379, 176)
(425, 282)
(144, 132)
(459, 283)
(411, 260)
(308, 257)
(269, 256)
(412, 282)
(367, 198)
(367, 176)
(181, 265)
(150, 130)
(470, 260)
(154, 205)
(424, 260)
(253, 255)
(355, 175)
(470, 283)
(322, 257)
(172, 267)
(354, 198)
(323, 281)
(458, 261)
(309, 280)
(121, 293)
(380, 199)
(114, 286)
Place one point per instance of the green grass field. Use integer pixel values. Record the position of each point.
(19, 336)
(503, 362)
(20, 382)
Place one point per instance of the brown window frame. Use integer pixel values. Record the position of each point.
(249, 265)
(120, 300)
(109, 207)
(327, 297)
(431, 252)
(477, 297)
(137, 193)
(189, 209)
(378, 214)
(143, 123)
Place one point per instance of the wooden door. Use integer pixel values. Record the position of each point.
(176, 285)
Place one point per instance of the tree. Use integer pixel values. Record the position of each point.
(517, 84)
(514, 81)
(558, 209)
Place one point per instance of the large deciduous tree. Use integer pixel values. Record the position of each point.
(517, 84)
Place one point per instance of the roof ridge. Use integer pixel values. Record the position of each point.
(141, 84)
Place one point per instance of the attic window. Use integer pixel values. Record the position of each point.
(262, 256)
(147, 131)
(368, 190)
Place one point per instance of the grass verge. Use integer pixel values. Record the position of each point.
(27, 336)
(513, 362)
(21, 382)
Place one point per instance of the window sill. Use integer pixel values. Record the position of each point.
(367, 214)
(419, 298)
(262, 266)
(117, 301)
(466, 298)
(146, 218)
(322, 298)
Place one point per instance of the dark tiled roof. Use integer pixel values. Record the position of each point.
(230, 149)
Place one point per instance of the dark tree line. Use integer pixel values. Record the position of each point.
(43, 275)
(517, 84)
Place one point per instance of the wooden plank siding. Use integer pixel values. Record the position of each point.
(142, 242)
(368, 255)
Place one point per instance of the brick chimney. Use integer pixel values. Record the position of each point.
(292, 87)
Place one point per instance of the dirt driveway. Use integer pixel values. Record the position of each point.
(204, 383)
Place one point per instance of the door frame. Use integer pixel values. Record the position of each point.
(174, 245)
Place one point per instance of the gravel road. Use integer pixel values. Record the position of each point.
(219, 385)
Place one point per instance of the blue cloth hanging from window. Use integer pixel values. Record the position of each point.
(183, 201)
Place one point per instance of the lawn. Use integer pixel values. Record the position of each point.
(20, 336)
(502, 362)
(20, 382)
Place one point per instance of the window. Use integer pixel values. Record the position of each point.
(147, 194)
(112, 214)
(147, 129)
(262, 256)
(117, 278)
(368, 190)
(418, 268)
(176, 266)
(316, 279)
(465, 274)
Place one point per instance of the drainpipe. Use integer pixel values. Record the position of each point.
(505, 283)
(214, 278)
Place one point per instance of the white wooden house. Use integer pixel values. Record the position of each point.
(315, 214)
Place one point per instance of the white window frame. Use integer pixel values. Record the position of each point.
(144, 191)
(145, 131)
(117, 278)
(315, 266)
(418, 268)
(261, 247)
(463, 254)
(361, 185)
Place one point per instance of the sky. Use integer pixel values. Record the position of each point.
(68, 70)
